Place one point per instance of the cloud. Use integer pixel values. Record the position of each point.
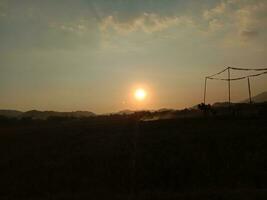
(215, 25)
(3, 8)
(214, 12)
(79, 27)
(237, 19)
(147, 23)
(250, 20)
(249, 34)
(227, 22)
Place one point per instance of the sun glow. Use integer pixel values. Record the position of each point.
(140, 94)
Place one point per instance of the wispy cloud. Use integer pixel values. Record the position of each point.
(238, 21)
(80, 27)
(250, 20)
(147, 23)
(215, 11)
(3, 8)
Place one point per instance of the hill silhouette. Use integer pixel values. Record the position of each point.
(11, 113)
(262, 97)
(35, 114)
(259, 98)
(163, 113)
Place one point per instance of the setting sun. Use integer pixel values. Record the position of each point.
(140, 94)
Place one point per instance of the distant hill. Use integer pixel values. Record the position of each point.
(221, 104)
(159, 114)
(125, 112)
(129, 112)
(35, 114)
(262, 97)
(11, 113)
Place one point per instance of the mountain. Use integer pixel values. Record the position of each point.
(262, 97)
(10, 113)
(35, 114)
(222, 104)
(125, 112)
(81, 114)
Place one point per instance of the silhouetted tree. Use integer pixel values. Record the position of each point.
(205, 108)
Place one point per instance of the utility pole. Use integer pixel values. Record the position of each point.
(205, 90)
(229, 86)
(249, 91)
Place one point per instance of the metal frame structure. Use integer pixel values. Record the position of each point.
(229, 79)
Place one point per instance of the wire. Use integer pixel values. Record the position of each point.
(248, 69)
(218, 73)
(258, 74)
(239, 78)
(226, 79)
(235, 79)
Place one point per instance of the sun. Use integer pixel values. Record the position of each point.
(140, 94)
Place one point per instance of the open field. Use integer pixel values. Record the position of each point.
(122, 158)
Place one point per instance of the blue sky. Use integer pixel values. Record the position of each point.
(88, 55)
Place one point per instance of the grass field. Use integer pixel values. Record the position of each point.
(122, 158)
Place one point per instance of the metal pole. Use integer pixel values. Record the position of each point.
(249, 91)
(229, 86)
(205, 90)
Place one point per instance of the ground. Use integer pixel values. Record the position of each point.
(123, 158)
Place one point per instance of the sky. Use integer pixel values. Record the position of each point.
(67, 55)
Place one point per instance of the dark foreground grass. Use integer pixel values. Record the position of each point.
(125, 159)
